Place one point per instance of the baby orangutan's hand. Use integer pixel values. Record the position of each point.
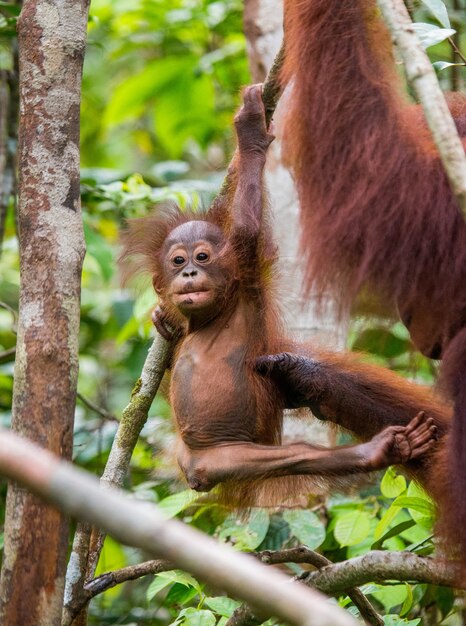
(165, 325)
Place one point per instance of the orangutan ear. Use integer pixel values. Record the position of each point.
(157, 283)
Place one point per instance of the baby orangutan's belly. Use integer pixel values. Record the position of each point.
(213, 402)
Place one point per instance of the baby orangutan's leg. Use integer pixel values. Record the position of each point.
(207, 467)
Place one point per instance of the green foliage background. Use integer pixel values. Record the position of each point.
(161, 81)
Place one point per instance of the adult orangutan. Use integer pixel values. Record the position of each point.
(213, 275)
(378, 215)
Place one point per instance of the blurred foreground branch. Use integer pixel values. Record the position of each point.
(142, 525)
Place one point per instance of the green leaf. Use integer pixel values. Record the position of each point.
(144, 304)
(408, 603)
(424, 516)
(380, 341)
(156, 585)
(352, 528)
(112, 557)
(129, 98)
(277, 533)
(306, 527)
(391, 596)
(416, 491)
(180, 595)
(222, 605)
(439, 11)
(99, 249)
(185, 112)
(393, 532)
(176, 503)
(416, 504)
(444, 600)
(164, 579)
(369, 588)
(430, 35)
(197, 617)
(13, 9)
(392, 484)
(396, 620)
(443, 65)
(246, 536)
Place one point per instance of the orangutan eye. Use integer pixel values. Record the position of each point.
(202, 257)
(178, 260)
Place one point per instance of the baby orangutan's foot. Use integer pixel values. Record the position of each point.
(396, 445)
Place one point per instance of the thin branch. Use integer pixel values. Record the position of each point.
(380, 566)
(456, 50)
(333, 578)
(455, 41)
(9, 101)
(109, 417)
(13, 313)
(271, 92)
(296, 555)
(111, 579)
(243, 616)
(7, 356)
(340, 578)
(142, 525)
(87, 545)
(305, 555)
(421, 75)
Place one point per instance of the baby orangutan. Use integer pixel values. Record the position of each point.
(212, 273)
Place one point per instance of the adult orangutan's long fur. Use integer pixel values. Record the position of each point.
(378, 215)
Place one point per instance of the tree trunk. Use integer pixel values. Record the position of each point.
(263, 26)
(52, 37)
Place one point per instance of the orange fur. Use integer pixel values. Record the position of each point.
(378, 214)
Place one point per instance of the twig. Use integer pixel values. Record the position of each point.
(13, 313)
(142, 525)
(8, 355)
(456, 49)
(111, 579)
(9, 100)
(271, 92)
(421, 75)
(109, 417)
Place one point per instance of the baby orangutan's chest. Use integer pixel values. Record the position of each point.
(212, 396)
